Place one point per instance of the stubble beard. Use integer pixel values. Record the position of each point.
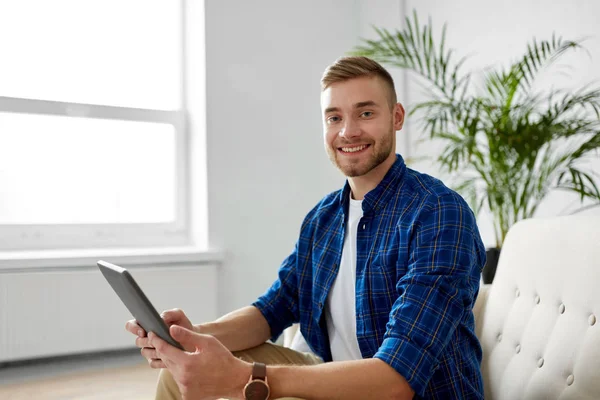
(379, 153)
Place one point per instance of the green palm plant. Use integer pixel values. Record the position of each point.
(506, 144)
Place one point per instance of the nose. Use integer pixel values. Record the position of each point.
(350, 129)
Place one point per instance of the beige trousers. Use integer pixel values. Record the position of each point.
(266, 353)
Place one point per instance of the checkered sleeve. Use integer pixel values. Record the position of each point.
(435, 293)
(279, 304)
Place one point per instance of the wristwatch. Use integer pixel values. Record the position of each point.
(257, 387)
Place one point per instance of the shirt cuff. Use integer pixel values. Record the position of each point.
(273, 317)
(409, 360)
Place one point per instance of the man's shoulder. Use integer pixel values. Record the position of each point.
(425, 185)
(431, 191)
(328, 206)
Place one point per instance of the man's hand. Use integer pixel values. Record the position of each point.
(171, 317)
(206, 370)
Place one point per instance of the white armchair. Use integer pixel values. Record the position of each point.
(538, 323)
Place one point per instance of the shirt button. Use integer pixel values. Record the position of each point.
(364, 226)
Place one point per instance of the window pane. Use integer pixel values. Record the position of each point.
(112, 52)
(67, 170)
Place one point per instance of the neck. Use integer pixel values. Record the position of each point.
(361, 185)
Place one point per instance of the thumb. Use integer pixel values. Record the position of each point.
(187, 338)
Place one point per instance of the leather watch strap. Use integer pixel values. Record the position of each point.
(259, 371)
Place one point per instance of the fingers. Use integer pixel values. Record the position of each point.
(192, 341)
(152, 357)
(133, 327)
(183, 335)
(156, 364)
(149, 353)
(173, 316)
(142, 342)
(165, 351)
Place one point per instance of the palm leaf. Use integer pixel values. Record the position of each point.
(514, 143)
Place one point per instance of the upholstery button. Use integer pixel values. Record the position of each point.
(518, 349)
(537, 299)
(540, 362)
(517, 293)
(561, 309)
(499, 337)
(570, 380)
(592, 320)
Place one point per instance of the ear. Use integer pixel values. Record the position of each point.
(398, 116)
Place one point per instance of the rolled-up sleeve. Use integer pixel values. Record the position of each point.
(438, 289)
(279, 304)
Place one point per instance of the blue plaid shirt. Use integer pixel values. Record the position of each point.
(418, 264)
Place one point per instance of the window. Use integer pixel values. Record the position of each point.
(92, 124)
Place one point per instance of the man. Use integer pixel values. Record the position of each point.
(382, 280)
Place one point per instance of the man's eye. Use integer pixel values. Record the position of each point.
(367, 113)
(333, 119)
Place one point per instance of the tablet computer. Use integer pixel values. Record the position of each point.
(136, 301)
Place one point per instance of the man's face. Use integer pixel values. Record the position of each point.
(359, 127)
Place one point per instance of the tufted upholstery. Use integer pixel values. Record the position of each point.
(539, 323)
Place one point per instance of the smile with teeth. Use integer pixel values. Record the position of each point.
(353, 149)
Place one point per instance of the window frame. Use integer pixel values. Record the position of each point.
(19, 237)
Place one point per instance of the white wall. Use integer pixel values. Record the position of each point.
(266, 164)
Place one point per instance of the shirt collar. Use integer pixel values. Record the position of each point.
(379, 196)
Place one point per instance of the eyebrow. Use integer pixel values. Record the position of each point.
(360, 104)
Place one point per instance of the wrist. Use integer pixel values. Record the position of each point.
(240, 380)
(198, 328)
(257, 386)
(207, 328)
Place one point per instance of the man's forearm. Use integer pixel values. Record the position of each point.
(239, 330)
(362, 379)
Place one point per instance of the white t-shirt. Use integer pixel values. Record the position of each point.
(340, 310)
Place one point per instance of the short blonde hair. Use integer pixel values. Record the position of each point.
(346, 68)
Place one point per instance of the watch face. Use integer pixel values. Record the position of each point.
(256, 390)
